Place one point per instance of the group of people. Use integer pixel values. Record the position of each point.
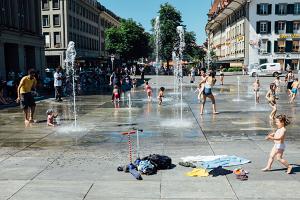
(281, 121)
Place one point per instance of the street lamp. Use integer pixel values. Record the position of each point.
(112, 58)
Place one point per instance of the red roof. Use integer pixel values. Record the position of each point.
(217, 6)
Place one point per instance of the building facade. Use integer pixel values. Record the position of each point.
(275, 32)
(71, 20)
(21, 41)
(244, 32)
(107, 20)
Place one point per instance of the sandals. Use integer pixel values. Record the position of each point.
(241, 174)
(187, 164)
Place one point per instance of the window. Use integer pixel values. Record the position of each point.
(297, 9)
(263, 61)
(45, 4)
(47, 40)
(296, 46)
(281, 46)
(263, 9)
(46, 21)
(56, 20)
(296, 27)
(264, 46)
(263, 27)
(281, 27)
(282, 9)
(55, 4)
(57, 39)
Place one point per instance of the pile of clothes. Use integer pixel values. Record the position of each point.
(148, 165)
(213, 165)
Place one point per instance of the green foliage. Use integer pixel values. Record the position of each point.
(129, 40)
(192, 51)
(234, 69)
(170, 18)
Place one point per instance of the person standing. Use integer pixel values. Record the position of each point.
(142, 70)
(193, 74)
(58, 84)
(209, 81)
(25, 97)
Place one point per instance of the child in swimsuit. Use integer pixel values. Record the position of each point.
(50, 117)
(277, 83)
(279, 146)
(256, 87)
(295, 87)
(116, 95)
(160, 95)
(271, 97)
(148, 91)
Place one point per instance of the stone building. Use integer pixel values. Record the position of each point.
(21, 41)
(72, 20)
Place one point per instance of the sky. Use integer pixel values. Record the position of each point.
(194, 12)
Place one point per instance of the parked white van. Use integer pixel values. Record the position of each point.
(267, 69)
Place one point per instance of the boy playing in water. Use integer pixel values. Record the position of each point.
(50, 117)
(279, 146)
(271, 97)
(295, 87)
(148, 90)
(160, 95)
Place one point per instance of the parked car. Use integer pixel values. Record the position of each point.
(267, 69)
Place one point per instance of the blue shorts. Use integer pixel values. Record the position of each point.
(294, 90)
(207, 91)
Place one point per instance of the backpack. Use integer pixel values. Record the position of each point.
(159, 161)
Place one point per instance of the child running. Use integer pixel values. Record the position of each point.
(148, 90)
(295, 87)
(271, 97)
(279, 146)
(289, 79)
(256, 87)
(116, 94)
(50, 117)
(160, 95)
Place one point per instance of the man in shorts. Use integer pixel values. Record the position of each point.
(25, 97)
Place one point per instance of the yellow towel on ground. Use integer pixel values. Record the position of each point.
(197, 172)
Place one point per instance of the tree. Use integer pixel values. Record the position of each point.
(169, 18)
(129, 40)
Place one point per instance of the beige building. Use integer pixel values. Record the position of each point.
(73, 20)
(21, 41)
(226, 31)
(107, 20)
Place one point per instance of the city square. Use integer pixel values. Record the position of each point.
(99, 102)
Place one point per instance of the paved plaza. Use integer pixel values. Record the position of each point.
(59, 163)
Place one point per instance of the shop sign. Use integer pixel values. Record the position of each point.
(285, 36)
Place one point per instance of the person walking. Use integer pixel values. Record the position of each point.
(58, 84)
(25, 96)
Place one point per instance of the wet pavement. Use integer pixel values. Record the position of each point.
(41, 162)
